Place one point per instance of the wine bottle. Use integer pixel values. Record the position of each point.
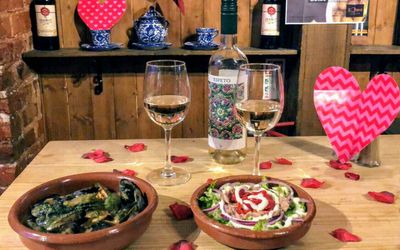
(270, 24)
(226, 136)
(46, 37)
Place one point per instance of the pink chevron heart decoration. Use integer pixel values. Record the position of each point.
(101, 15)
(353, 119)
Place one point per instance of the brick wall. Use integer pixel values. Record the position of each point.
(21, 120)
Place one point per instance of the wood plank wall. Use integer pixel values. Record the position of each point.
(72, 111)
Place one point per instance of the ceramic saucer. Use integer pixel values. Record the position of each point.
(153, 46)
(92, 47)
(197, 46)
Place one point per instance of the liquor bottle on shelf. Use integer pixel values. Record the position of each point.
(45, 27)
(271, 24)
(226, 136)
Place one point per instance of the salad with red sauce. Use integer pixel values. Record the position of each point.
(263, 206)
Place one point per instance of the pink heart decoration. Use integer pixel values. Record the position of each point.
(106, 15)
(353, 119)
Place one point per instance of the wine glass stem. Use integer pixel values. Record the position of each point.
(256, 169)
(167, 172)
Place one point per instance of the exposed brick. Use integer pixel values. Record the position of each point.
(5, 131)
(23, 70)
(5, 26)
(11, 5)
(6, 151)
(4, 108)
(9, 77)
(6, 52)
(18, 47)
(20, 23)
(7, 174)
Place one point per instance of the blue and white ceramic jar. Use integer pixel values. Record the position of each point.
(151, 28)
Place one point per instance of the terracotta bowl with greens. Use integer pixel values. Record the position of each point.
(84, 211)
(253, 212)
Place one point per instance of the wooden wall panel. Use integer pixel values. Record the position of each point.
(193, 123)
(322, 46)
(126, 106)
(104, 110)
(244, 23)
(80, 108)
(70, 36)
(171, 13)
(384, 22)
(56, 113)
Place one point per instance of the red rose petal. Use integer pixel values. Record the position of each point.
(266, 165)
(179, 159)
(102, 159)
(283, 161)
(182, 245)
(311, 183)
(181, 211)
(339, 166)
(137, 147)
(98, 156)
(384, 196)
(352, 176)
(344, 236)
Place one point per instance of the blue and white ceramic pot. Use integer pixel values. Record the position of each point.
(151, 28)
(100, 38)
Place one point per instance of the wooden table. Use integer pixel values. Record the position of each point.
(341, 203)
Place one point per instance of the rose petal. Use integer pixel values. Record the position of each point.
(311, 183)
(344, 236)
(102, 159)
(266, 165)
(98, 156)
(384, 196)
(127, 172)
(181, 211)
(283, 161)
(182, 245)
(352, 176)
(339, 166)
(137, 147)
(179, 159)
(94, 154)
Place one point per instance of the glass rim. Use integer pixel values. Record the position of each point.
(166, 63)
(261, 67)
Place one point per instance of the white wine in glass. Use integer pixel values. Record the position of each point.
(166, 101)
(259, 101)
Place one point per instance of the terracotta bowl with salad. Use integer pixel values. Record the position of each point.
(253, 212)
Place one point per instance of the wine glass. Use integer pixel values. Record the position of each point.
(259, 101)
(166, 101)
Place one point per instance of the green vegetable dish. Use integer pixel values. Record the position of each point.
(86, 210)
(264, 206)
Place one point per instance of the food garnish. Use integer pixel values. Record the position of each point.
(263, 206)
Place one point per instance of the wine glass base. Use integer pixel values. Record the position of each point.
(181, 176)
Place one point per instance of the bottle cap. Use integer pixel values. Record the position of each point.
(229, 16)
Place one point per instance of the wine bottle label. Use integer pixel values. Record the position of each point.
(224, 130)
(270, 20)
(46, 20)
(267, 88)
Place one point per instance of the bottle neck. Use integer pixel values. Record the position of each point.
(229, 40)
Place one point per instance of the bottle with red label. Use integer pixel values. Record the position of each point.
(45, 31)
(271, 24)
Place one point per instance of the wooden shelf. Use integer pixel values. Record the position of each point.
(75, 52)
(375, 50)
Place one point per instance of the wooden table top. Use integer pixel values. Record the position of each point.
(342, 203)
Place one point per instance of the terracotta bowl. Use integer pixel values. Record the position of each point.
(248, 239)
(116, 237)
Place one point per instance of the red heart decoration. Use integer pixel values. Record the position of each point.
(353, 119)
(101, 16)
